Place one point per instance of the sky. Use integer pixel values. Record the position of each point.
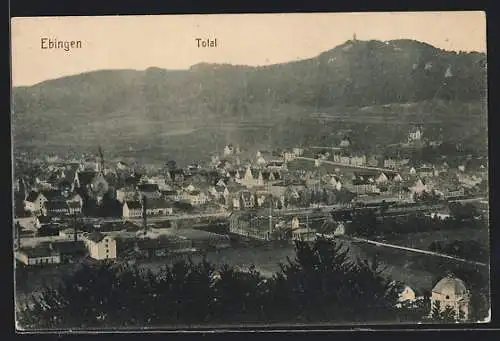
(168, 41)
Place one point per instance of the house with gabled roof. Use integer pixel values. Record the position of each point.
(247, 199)
(382, 179)
(41, 254)
(42, 220)
(132, 209)
(34, 202)
(150, 191)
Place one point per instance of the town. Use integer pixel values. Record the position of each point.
(69, 210)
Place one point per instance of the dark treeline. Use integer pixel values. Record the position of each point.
(322, 283)
(370, 223)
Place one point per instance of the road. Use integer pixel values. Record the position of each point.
(386, 170)
(416, 250)
(466, 200)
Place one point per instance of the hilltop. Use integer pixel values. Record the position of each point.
(130, 106)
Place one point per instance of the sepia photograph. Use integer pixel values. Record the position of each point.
(178, 172)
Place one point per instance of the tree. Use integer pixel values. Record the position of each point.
(322, 283)
(436, 314)
(280, 205)
(325, 196)
(364, 223)
(448, 314)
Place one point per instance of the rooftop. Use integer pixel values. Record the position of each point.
(450, 285)
(96, 237)
(38, 252)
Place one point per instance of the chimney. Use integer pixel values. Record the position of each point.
(144, 216)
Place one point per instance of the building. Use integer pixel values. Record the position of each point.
(69, 234)
(297, 151)
(382, 179)
(34, 202)
(363, 184)
(358, 160)
(426, 172)
(228, 150)
(69, 250)
(195, 197)
(419, 187)
(452, 292)
(55, 208)
(247, 200)
(415, 135)
(94, 183)
(132, 209)
(126, 194)
(406, 294)
(74, 207)
(288, 156)
(345, 142)
(276, 165)
(38, 255)
(42, 220)
(251, 178)
(100, 246)
(250, 226)
(150, 191)
(158, 207)
(160, 181)
(453, 192)
(302, 233)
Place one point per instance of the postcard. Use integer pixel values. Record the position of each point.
(177, 172)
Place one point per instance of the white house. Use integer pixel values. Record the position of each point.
(452, 292)
(160, 181)
(42, 220)
(339, 230)
(236, 203)
(100, 246)
(195, 197)
(75, 198)
(228, 150)
(382, 179)
(288, 156)
(249, 180)
(34, 202)
(158, 207)
(407, 294)
(125, 194)
(132, 209)
(57, 208)
(298, 151)
(38, 255)
(419, 187)
(74, 207)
